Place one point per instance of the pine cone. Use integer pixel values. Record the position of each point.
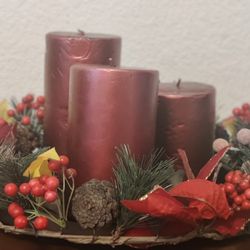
(26, 140)
(94, 204)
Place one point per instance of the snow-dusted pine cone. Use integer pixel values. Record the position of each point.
(94, 204)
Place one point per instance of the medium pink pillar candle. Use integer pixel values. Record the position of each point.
(109, 107)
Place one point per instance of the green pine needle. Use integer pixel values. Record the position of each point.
(12, 166)
(134, 179)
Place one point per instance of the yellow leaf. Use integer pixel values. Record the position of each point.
(4, 106)
(230, 125)
(32, 167)
(50, 154)
(39, 166)
(42, 170)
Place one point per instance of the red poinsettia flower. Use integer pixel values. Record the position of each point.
(192, 203)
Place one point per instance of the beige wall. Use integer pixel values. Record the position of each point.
(202, 40)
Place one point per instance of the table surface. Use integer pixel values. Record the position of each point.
(20, 242)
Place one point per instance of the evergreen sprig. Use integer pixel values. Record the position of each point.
(12, 166)
(245, 158)
(134, 179)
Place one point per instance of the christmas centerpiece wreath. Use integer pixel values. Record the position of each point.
(149, 202)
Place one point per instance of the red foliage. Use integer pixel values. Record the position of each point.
(210, 166)
(6, 131)
(207, 192)
(168, 207)
(192, 204)
(233, 225)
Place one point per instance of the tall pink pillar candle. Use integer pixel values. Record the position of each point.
(64, 49)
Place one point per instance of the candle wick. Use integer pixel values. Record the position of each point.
(178, 84)
(81, 32)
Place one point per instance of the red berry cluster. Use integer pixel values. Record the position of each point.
(45, 188)
(58, 165)
(237, 188)
(243, 112)
(21, 221)
(21, 111)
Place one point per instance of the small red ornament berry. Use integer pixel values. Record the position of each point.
(54, 165)
(11, 189)
(238, 172)
(37, 190)
(30, 98)
(245, 205)
(237, 112)
(50, 196)
(43, 178)
(35, 105)
(40, 223)
(45, 188)
(247, 193)
(229, 176)
(64, 160)
(243, 196)
(25, 120)
(52, 183)
(70, 172)
(229, 188)
(238, 200)
(12, 206)
(20, 107)
(24, 188)
(40, 114)
(245, 106)
(33, 182)
(236, 179)
(24, 100)
(247, 177)
(11, 112)
(21, 222)
(40, 100)
(15, 210)
(233, 195)
(244, 185)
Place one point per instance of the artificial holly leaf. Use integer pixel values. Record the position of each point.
(205, 191)
(210, 166)
(160, 203)
(233, 225)
(39, 166)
